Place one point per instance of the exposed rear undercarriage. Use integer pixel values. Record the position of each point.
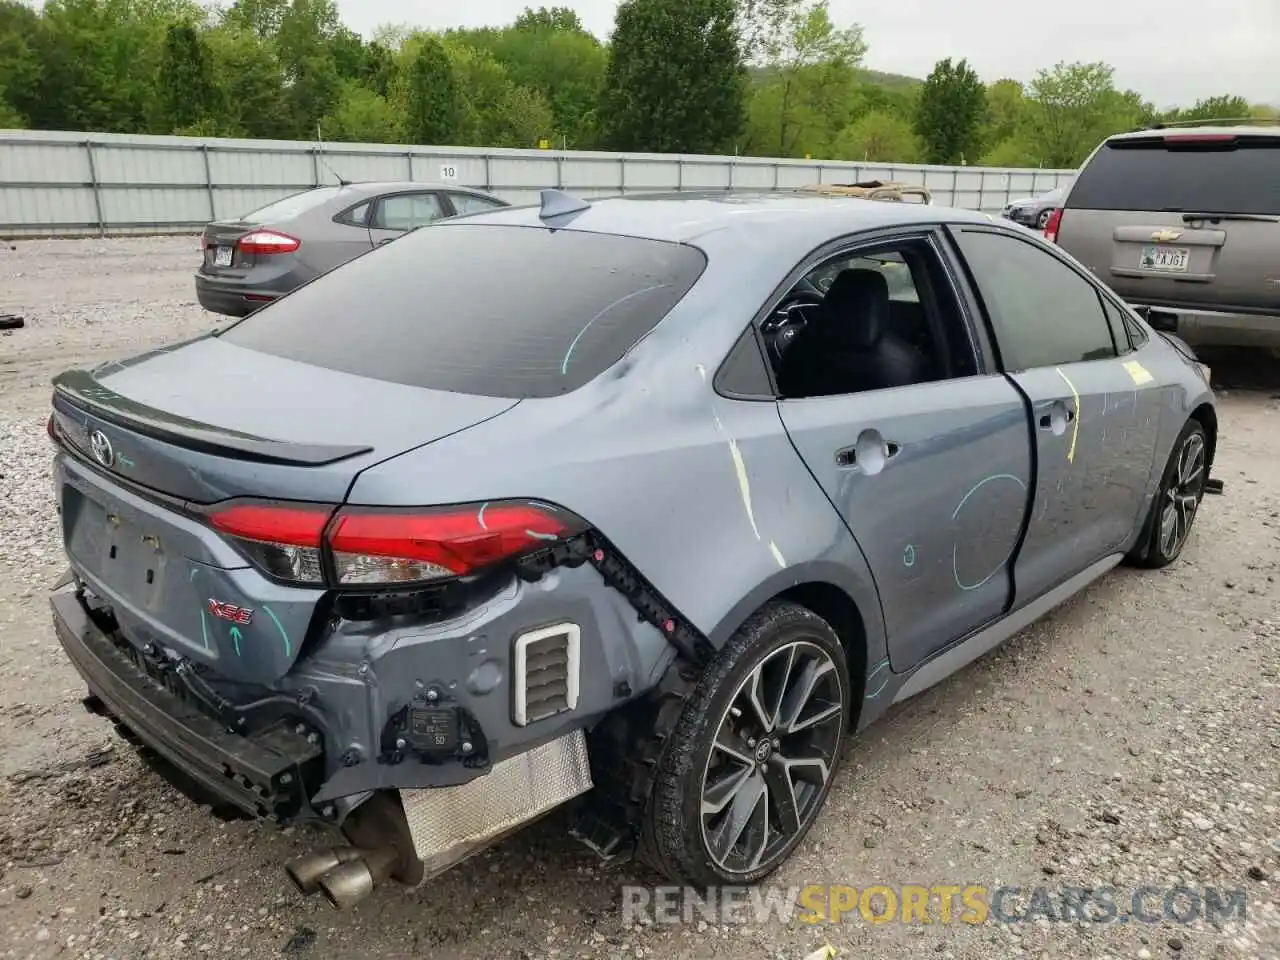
(263, 753)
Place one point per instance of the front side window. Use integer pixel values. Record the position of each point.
(1042, 312)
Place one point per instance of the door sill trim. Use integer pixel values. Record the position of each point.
(961, 654)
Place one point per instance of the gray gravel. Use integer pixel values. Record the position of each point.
(1132, 738)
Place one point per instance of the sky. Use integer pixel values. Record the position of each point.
(1172, 51)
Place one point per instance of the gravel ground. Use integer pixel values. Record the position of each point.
(1130, 739)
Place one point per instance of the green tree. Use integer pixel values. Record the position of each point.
(1071, 108)
(251, 84)
(379, 68)
(1006, 112)
(261, 17)
(362, 115)
(675, 82)
(552, 18)
(497, 112)
(950, 113)
(1223, 107)
(20, 66)
(98, 61)
(435, 105)
(1014, 151)
(185, 90)
(810, 70)
(879, 137)
(560, 61)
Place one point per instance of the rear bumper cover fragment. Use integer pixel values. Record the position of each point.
(261, 774)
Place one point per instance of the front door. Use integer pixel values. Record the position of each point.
(1087, 402)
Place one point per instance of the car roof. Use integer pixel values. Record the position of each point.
(1240, 130)
(370, 188)
(685, 217)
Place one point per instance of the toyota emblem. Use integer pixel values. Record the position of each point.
(102, 450)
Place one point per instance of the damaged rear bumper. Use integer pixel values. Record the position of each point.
(409, 835)
(262, 773)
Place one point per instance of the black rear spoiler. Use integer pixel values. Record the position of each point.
(80, 389)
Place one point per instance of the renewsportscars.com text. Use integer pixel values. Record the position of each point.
(937, 904)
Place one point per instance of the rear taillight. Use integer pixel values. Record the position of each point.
(267, 242)
(285, 541)
(51, 428)
(370, 547)
(1051, 228)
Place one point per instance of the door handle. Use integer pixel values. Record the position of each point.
(848, 456)
(1046, 422)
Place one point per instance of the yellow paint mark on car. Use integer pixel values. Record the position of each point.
(1138, 373)
(1075, 424)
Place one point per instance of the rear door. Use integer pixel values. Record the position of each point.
(396, 214)
(933, 478)
(1181, 218)
(333, 240)
(1089, 404)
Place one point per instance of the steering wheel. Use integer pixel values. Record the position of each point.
(787, 320)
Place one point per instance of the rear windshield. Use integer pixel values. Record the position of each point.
(291, 206)
(496, 310)
(1148, 174)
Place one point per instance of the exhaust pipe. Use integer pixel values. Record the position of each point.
(306, 871)
(348, 883)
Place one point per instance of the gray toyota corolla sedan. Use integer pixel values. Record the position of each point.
(259, 257)
(644, 506)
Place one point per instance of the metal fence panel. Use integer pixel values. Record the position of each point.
(69, 184)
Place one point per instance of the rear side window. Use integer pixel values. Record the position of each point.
(496, 310)
(465, 203)
(1238, 175)
(291, 206)
(1120, 325)
(357, 216)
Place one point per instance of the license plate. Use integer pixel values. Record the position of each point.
(1165, 258)
(222, 257)
(112, 548)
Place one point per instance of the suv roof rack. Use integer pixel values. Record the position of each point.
(872, 190)
(1213, 122)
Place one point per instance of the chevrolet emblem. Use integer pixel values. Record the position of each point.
(1166, 236)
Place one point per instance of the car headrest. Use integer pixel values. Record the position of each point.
(855, 310)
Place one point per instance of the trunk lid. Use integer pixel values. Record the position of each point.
(149, 440)
(209, 420)
(222, 256)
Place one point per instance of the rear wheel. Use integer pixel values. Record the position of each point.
(1178, 500)
(1042, 221)
(750, 762)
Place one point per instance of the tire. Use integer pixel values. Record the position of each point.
(1042, 220)
(1173, 512)
(677, 840)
